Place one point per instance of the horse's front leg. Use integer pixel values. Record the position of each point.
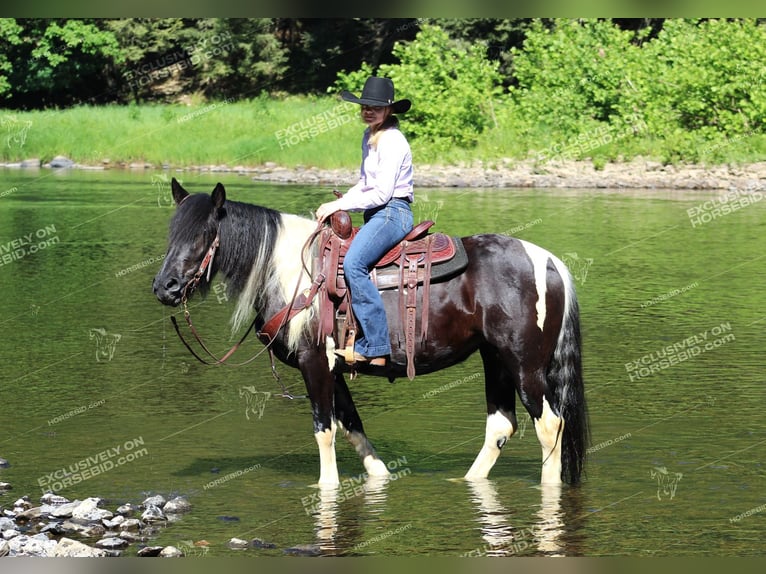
(320, 385)
(351, 424)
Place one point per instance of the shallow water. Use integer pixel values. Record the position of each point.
(672, 317)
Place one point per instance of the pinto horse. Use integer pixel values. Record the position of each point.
(515, 303)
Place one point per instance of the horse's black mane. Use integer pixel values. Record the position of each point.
(247, 233)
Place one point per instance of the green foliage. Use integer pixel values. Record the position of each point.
(451, 83)
(9, 36)
(692, 84)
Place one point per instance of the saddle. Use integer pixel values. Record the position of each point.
(418, 260)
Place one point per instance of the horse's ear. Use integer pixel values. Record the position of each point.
(179, 193)
(218, 196)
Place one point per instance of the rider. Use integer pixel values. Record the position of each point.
(384, 192)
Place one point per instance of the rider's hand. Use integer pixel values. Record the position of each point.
(326, 210)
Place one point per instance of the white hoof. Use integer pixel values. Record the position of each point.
(375, 466)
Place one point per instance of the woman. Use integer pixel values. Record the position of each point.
(384, 193)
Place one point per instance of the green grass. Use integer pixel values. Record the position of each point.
(253, 132)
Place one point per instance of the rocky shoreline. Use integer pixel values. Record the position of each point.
(636, 174)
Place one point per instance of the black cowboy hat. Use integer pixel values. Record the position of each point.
(378, 92)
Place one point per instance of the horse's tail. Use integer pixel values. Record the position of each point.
(564, 377)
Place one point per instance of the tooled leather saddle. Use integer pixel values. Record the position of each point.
(418, 260)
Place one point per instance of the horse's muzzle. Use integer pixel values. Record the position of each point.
(168, 290)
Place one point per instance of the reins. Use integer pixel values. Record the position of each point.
(270, 329)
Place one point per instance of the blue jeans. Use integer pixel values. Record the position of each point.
(383, 228)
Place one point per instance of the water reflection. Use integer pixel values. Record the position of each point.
(503, 538)
(338, 533)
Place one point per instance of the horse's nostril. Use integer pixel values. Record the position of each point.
(171, 283)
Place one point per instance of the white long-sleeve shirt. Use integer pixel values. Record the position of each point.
(386, 173)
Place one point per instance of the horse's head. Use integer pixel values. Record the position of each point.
(193, 238)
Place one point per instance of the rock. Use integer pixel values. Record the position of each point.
(258, 543)
(4, 463)
(88, 510)
(177, 505)
(238, 544)
(68, 548)
(152, 514)
(112, 543)
(131, 524)
(65, 510)
(53, 499)
(37, 545)
(61, 161)
(114, 522)
(10, 533)
(304, 550)
(131, 536)
(5, 486)
(157, 500)
(150, 551)
(4, 548)
(170, 552)
(6, 523)
(85, 530)
(22, 504)
(31, 162)
(126, 509)
(31, 514)
(53, 528)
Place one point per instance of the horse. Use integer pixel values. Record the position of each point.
(515, 303)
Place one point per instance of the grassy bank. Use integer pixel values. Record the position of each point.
(309, 131)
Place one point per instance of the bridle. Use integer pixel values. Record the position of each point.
(272, 327)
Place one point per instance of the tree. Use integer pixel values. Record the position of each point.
(65, 61)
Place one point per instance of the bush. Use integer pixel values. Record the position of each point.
(452, 86)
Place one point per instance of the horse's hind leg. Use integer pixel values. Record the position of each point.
(549, 426)
(348, 418)
(501, 413)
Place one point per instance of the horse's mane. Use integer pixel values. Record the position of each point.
(263, 257)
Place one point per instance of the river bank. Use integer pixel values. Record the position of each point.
(636, 174)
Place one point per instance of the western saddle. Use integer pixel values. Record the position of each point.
(419, 259)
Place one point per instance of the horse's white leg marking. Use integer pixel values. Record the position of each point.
(549, 429)
(372, 463)
(539, 257)
(328, 473)
(329, 347)
(499, 430)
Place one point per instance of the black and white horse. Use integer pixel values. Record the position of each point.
(515, 303)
